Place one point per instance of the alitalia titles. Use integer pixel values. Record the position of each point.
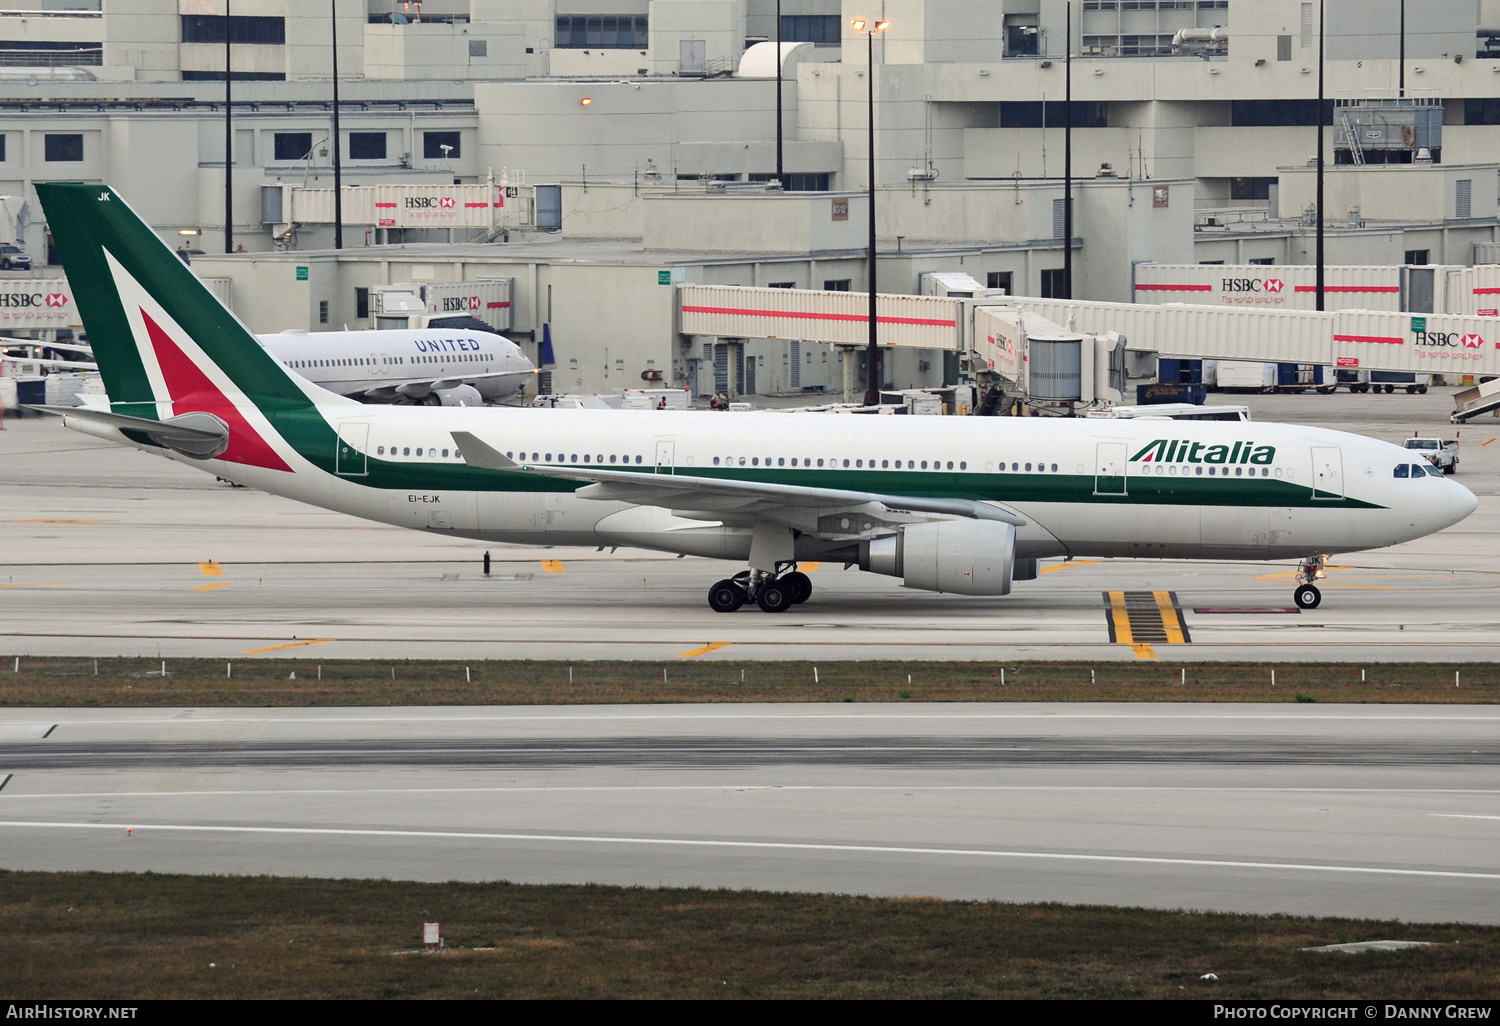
(1178, 450)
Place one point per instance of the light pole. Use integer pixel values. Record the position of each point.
(338, 177)
(1319, 198)
(228, 136)
(780, 170)
(872, 359)
(1067, 286)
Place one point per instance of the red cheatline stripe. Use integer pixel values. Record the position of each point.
(496, 306)
(1486, 292)
(810, 315)
(476, 204)
(1369, 338)
(1350, 288)
(385, 204)
(1174, 288)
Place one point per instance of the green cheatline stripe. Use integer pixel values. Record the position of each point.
(1009, 488)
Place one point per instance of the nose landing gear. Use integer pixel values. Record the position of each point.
(1307, 595)
(774, 593)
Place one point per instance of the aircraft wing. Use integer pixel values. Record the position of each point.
(64, 365)
(832, 513)
(417, 389)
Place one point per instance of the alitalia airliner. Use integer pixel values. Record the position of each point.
(951, 504)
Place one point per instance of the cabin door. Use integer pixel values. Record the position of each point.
(1109, 468)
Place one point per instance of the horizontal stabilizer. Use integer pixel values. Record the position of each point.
(198, 435)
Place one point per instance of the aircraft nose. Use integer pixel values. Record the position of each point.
(1461, 501)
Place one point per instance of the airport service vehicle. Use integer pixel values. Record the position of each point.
(435, 366)
(14, 258)
(952, 504)
(1440, 452)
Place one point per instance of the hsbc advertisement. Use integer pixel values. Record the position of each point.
(36, 303)
(441, 206)
(489, 300)
(1288, 287)
(1429, 343)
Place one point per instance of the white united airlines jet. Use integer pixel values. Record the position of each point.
(953, 504)
(436, 366)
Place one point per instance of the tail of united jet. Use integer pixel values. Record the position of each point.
(179, 368)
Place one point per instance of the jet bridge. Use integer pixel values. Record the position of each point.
(1363, 339)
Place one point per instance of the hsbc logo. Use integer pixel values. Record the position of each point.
(58, 299)
(1451, 339)
(474, 304)
(447, 202)
(430, 202)
(1252, 285)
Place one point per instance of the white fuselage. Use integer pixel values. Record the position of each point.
(1075, 482)
(387, 363)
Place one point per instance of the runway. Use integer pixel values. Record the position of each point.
(1371, 812)
(109, 551)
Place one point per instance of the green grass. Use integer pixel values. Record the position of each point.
(130, 683)
(128, 937)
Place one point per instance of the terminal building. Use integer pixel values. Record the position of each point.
(597, 153)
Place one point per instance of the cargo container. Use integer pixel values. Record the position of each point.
(1244, 376)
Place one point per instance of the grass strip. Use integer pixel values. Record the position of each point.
(123, 937)
(302, 682)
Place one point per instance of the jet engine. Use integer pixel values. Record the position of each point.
(459, 395)
(965, 557)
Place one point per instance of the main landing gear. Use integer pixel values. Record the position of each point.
(1307, 595)
(774, 593)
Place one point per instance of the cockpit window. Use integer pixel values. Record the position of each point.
(1403, 470)
(1431, 470)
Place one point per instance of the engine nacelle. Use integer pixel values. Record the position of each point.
(459, 395)
(965, 557)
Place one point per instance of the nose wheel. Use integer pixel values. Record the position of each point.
(1307, 595)
(773, 593)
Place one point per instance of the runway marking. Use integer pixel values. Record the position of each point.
(553, 566)
(211, 569)
(1459, 815)
(815, 788)
(808, 568)
(54, 520)
(213, 587)
(293, 644)
(1064, 566)
(141, 832)
(38, 584)
(712, 646)
(1143, 618)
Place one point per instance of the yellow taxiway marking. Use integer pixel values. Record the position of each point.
(213, 587)
(211, 569)
(51, 520)
(1487, 441)
(277, 648)
(38, 584)
(710, 647)
(1120, 616)
(1169, 619)
(1361, 587)
(553, 566)
(808, 568)
(1064, 566)
(1143, 651)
